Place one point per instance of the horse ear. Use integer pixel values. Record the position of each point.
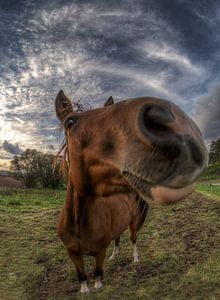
(109, 102)
(63, 106)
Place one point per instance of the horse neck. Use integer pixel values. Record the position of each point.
(76, 209)
(68, 204)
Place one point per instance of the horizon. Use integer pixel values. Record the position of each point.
(95, 49)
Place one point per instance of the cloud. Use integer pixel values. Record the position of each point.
(11, 148)
(94, 49)
(91, 59)
(4, 164)
(207, 113)
(165, 52)
(51, 147)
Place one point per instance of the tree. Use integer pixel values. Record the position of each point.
(49, 175)
(36, 169)
(214, 153)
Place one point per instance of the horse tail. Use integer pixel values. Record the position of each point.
(142, 212)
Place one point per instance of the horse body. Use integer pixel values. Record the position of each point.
(119, 157)
(89, 229)
(102, 220)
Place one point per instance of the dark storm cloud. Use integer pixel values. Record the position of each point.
(197, 22)
(11, 148)
(101, 39)
(207, 114)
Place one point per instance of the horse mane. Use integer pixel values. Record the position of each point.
(62, 154)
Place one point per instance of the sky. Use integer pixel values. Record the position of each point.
(94, 49)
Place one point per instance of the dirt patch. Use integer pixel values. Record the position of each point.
(198, 238)
(10, 182)
(54, 283)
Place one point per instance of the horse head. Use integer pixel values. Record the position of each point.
(146, 145)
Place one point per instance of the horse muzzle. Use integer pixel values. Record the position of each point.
(168, 195)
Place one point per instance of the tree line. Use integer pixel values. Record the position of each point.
(214, 153)
(37, 169)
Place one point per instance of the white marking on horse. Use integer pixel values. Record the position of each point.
(84, 287)
(98, 283)
(114, 253)
(135, 254)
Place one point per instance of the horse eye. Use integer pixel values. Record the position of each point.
(70, 122)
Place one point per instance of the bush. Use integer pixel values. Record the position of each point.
(36, 169)
(212, 172)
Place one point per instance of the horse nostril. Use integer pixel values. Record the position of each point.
(158, 114)
(154, 121)
(154, 125)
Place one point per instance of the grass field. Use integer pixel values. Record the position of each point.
(212, 172)
(178, 246)
(211, 189)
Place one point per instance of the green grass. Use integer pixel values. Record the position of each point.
(178, 247)
(210, 189)
(212, 172)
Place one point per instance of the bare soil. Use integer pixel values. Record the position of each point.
(10, 182)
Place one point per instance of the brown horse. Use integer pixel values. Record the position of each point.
(137, 205)
(145, 146)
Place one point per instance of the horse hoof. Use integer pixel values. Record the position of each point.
(84, 288)
(136, 260)
(98, 283)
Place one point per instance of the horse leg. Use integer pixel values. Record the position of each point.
(77, 259)
(98, 271)
(133, 237)
(115, 250)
